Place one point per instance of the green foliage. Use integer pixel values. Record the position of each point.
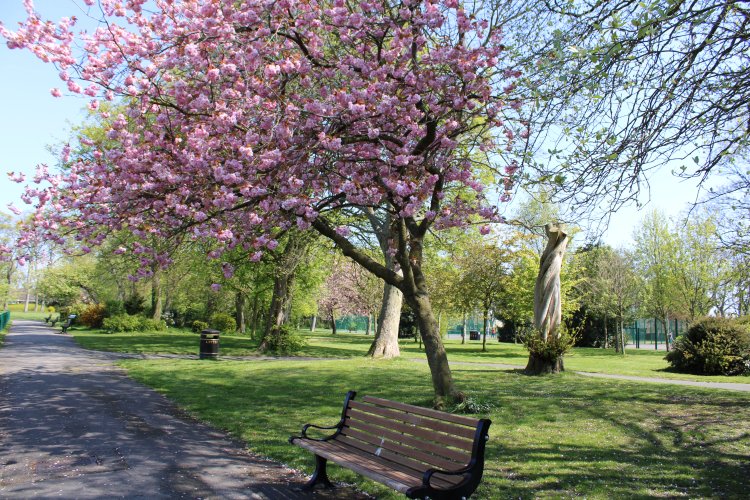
(198, 326)
(550, 349)
(153, 325)
(223, 322)
(135, 304)
(283, 340)
(122, 323)
(93, 315)
(128, 323)
(473, 405)
(713, 346)
(114, 308)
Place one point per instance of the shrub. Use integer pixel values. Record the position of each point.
(123, 323)
(152, 325)
(93, 315)
(223, 322)
(282, 340)
(114, 308)
(550, 350)
(198, 326)
(712, 346)
(134, 304)
(472, 405)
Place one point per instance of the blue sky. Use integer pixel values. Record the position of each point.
(32, 120)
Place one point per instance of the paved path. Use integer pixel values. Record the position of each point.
(73, 425)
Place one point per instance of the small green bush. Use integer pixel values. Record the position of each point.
(282, 340)
(128, 323)
(198, 326)
(712, 346)
(134, 304)
(114, 308)
(153, 325)
(552, 348)
(123, 323)
(93, 315)
(223, 322)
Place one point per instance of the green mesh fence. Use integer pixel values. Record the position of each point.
(4, 319)
(352, 323)
(643, 332)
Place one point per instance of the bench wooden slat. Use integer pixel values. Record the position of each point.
(416, 420)
(395, 447)
(391, 477)
(427, 412)
(418, 432)
(458, 456)
(404, 464)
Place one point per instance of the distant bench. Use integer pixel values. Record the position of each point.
(420, 452)
(68, 323)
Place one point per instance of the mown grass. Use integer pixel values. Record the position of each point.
(551, 437)
(638, 362)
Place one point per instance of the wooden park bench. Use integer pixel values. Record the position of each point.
(420, 452)
(68, 323)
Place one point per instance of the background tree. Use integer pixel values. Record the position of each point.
(483, 268)
(655, 254)
(699, 266)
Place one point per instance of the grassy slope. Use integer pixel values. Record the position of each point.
(555, 436)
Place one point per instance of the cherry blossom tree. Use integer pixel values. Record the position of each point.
(242, 119)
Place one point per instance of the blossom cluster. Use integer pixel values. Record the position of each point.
(233, 120)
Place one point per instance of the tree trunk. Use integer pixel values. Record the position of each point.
(442, 379)
(665, 323)
(156, 300)
(277, 309)
(547, 301)
(385, 343)
(538, 365)
(314, 322)
(333, 324)
(367, 328)
(254, 318)
(239, 311)
(464, 326)
(286, 269)
(485, 324)
(409, 239)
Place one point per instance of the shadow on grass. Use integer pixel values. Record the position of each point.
(560, 435)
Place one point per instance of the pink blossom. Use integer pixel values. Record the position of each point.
(55, 92)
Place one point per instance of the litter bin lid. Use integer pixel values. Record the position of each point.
(210, 332)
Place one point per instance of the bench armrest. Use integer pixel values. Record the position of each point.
(349, 396)
(427, 476)
(303, 434)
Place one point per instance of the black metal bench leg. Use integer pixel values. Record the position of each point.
(319, 476)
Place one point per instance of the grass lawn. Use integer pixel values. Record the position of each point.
(641, 362)
(551, 437)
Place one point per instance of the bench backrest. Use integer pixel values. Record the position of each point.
(415, 437)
